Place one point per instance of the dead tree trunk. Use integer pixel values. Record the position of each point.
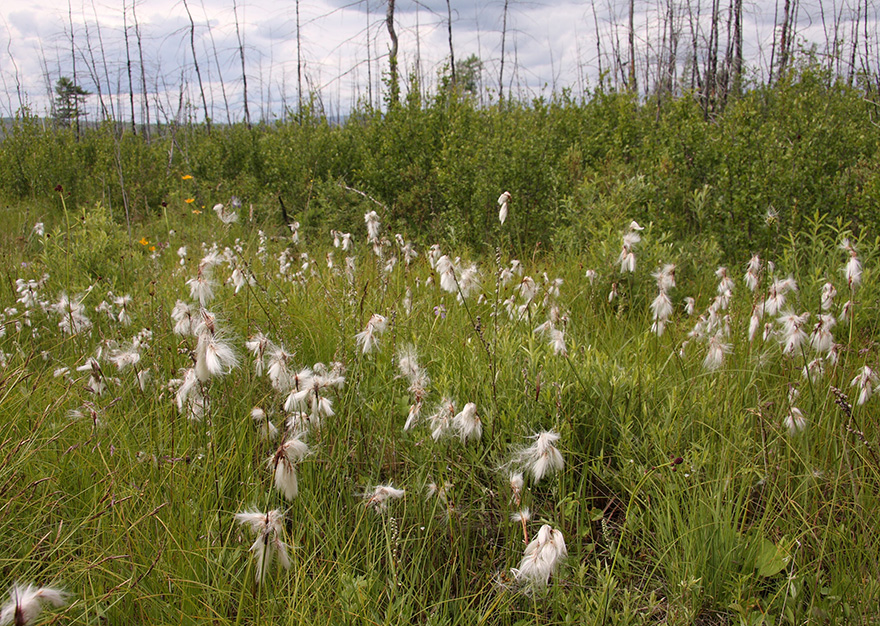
(219, 69)
(598, 45)
(393, 80)
(247, 114)
(737, 47)
(73, 57)
(104, 61)
(784, 39)
(866, 63)
(145, 102)
(709, 90)
(128, 68)
(17, 76)
(192, 44)
(369, 60)
(855, 44)
(451, 49)
(93, 70)
(501, 70)
(631, 74)
(299, 85)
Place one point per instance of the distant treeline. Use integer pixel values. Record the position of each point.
(434, 168)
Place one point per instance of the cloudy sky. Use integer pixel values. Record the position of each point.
(344, 46)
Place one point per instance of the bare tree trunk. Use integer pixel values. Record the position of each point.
(268, 107)
(451, 49)
(866, 63)
(598, 45)
(217, 65)
(369, 61)
(620, 73)
(128, 68)
(104, 62)
(501, 70)
(93, 70)
(580, 63)
(855, 44)
(192, 44)
(674, 35)
(737, 46)
(727, 66)
(418, 70)
(145, 102)
(394, 83)
(696, 80)
(516, 76)
(299, 84)
(47, 80)
(247, 113)
(479, 55)
(785, 38)
(631, 74)
(73, 59)
(709, 91)
(17, 75)
(667, 57)
(773, 43)
(838, 53)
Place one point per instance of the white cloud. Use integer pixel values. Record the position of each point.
(549, 45)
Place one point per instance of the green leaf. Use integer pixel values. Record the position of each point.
(772, 558)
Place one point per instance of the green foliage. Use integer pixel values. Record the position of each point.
(69, 98)
(93, 249)
(745, 177)
(129, 505)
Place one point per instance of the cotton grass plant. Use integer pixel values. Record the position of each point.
(511, 447)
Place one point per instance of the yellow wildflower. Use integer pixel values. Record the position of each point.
(186, 177)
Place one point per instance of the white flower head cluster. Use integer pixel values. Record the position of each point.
(467, 424)
(201, 286)
(27, 601)
(284, 461)
(541, 559)
(227, 217)
(378, 498)
(268, 430)
(865, 381)
(214, 356)
(446, 269)
(828, 295)
(268, 546)
(368, 338)
(661, 307)
(852, 271)
(371, 220)
(753, 272)
(408, 364)
(627, 259)
(73, 318)
(29, 292)
(503, 201)
(341, 240)
(554, 330)
(542, 457)
(307, 402)
(793, 334)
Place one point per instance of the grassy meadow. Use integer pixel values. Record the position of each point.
(217, 419)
